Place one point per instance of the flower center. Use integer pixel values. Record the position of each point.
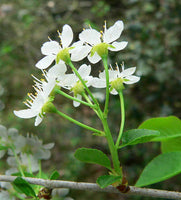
(117, 84)
(63, 55)
(78, 88)
(101, 49)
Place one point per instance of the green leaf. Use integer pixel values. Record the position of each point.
(93, 156)
(22, 186)
(169, 127)
(104, 181)
(160, 168)
(170, 132)
(27, 174)
(55, 175)
(171, 145)
(3, 147)
(136, 136)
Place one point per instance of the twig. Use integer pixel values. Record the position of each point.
(94, 187)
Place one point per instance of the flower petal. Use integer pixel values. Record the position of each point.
(114, 32)
(69, 80)
(50, 47)
(95, 58)
(80, 53)
(75, 103)
(45, 62)
(26, 113)
(57, 70)
(67, 36)
(132, 79)
(38, 120)
(114, 92)
(118, 46)
(128, 72)
(90, 36)
(99, 83)
(84, 70)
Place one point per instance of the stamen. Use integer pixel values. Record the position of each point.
(59, 34)
(35, 78)
(49, 38)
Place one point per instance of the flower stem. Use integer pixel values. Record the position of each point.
(113, 149)
(104, 59)
(17, 161)
(78, 123)
(74, 99)
(122, 118)
(82, 81)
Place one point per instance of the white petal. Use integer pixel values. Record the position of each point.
(75, 103)
(50, 47)
(38, 120)
(102, 75)
(90, 36)
(95, 58)
(132, 79)
(26, 113)
(114, 92)
(118, 46)
(45, 62)
(57, 70)
(67, 36)
(114, 32)
(70, 80)
(79, 53)
(84, 70)
(128, 72)
(99, 83)
(113, 75)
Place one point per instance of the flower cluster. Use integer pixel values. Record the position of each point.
(24, 150)
(92, 44)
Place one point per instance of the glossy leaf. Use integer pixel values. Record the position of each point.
(22, 186)
(169, 127)
(160, 168)
(171, 145)
(93, 156)
(104, 181)
(136, 136)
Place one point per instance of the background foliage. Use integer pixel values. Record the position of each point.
(153, 31)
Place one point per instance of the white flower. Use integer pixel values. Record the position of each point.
(94, 38)
(73, 83)
(53, 49)
(9, 137)
(36, 147)
(116, 76)
(36, 102)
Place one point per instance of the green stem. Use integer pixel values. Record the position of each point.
(82, 81)
(78, 123)
(74, 99)
(104, 59)
(113, 149)
(18, 162)
(29, 163)
(96, 108)
(122, 118)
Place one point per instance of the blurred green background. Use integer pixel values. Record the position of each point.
(153, 30)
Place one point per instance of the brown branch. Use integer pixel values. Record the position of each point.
(94, 187)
